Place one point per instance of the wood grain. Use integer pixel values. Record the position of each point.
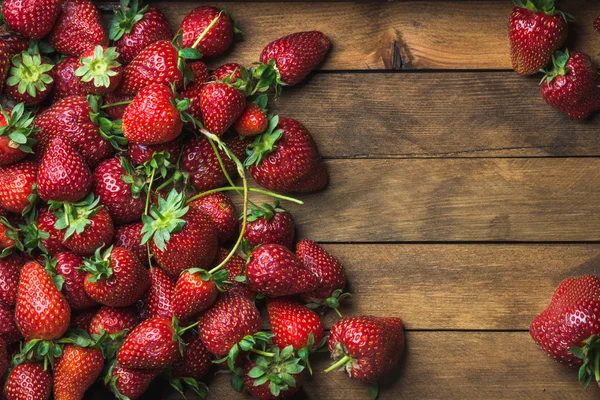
(392, 35)
(412, 115)
(448, 200)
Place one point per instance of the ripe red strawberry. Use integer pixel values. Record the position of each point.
(10, 270)
(152, 344)
(30, 78)
(366, 347)
(78, 27)
(115, 278)
(5, 62)
(219, 37)
(17, 183)
(235, 268)
(28, 381)
(123, 200)
(81, 319)
(16, 134)
(597, 24)
(252, 122)
(231, 71)
(31, 18)
(296, 55)
(571, 85)
(270, 225)
(273, 378)
(158, 300)
(275, 271)
(65, 82)
(13, 42)
(116, 112)
(221, 211)
(328, 270)
(129, 237)
(292, 323)
(3, 357)
(285, 158)
(195, 291)
(200, 161)
(196, 360)
(231, 318)
(221, 104)
(112, 321)
(129, 382)
(9, 331)
(140, 153)
(193, 90)
(49, 236)
(42, 312)
(99, 69)
(536, 31)
(152, 117)
(63, 174)
(156, 64)
(71, 117)
(75, 371)
(67, 265)
(182, 236)
(134, 28)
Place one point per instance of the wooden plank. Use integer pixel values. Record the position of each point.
(435, 115)
(392, 35)
(447, 200)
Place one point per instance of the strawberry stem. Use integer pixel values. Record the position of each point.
(342, 361)
(206, 30)
(118, 103)
(146, 207)
(262, 353)
(597, 367)
(251, 190)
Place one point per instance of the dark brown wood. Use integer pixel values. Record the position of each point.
(392, 35)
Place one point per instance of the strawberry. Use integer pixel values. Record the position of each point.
(141, 153)
(129, 237)
(274, 378)
(221, 104)
(3, 357)
(285, 158)
(28, 381)
(152, 344)
(158, 300)
(66, 265)
(129, 382)
(296, 55)
(65, 82)
(270, 225)
(231, 318)
(200, 161)
(78, 27)
(13, 42)
(49, 237)
(366, 347)
(75, 118)
(5, 62)
(17, 186)
(292, 324)
(30, 78)
(112, 321)
(193, 90)
(221, 211)
(218, 38)
(232, 71)
(328, 270)
(86, 225)
(597, 24)
(133, 29)
(182, 236)
(571, 85)
(81, 319)
(9, 331)
(31, 18)
(273, 270)
(153, 117)
(195, 291)
(235, 268)
(10, 270)
(115, 278)
(75, 371)
(196, 360)
(119, 190)
(16, 134)
(252, 122)
(42, 312)
(116, 112)
(99, 70)
(63, 174)
(536, 31)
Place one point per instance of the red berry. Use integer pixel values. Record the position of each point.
(219, 37)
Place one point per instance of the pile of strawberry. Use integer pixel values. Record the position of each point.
(122, 258)
(537, 34)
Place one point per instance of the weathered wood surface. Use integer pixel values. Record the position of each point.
(392, 35)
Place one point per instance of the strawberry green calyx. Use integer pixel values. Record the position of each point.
(248, 343)
(182, 385)
(264, 143)
(50, 268)
(559, 66)
(178, 332)
(589, 353)
(109, 129)
(310, 347)
(109, 344)
(74, 217)
(98, 265)
(29, 72)
(266, 76)
(341, 358)
(134, 177)
(267, 211)
(278, 371)
(218, 277)
(19, 128)
(126, 16)
(164, 219)
(12, 234)
(99, 68)
(545, 6)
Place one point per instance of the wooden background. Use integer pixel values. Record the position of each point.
(458, 199)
